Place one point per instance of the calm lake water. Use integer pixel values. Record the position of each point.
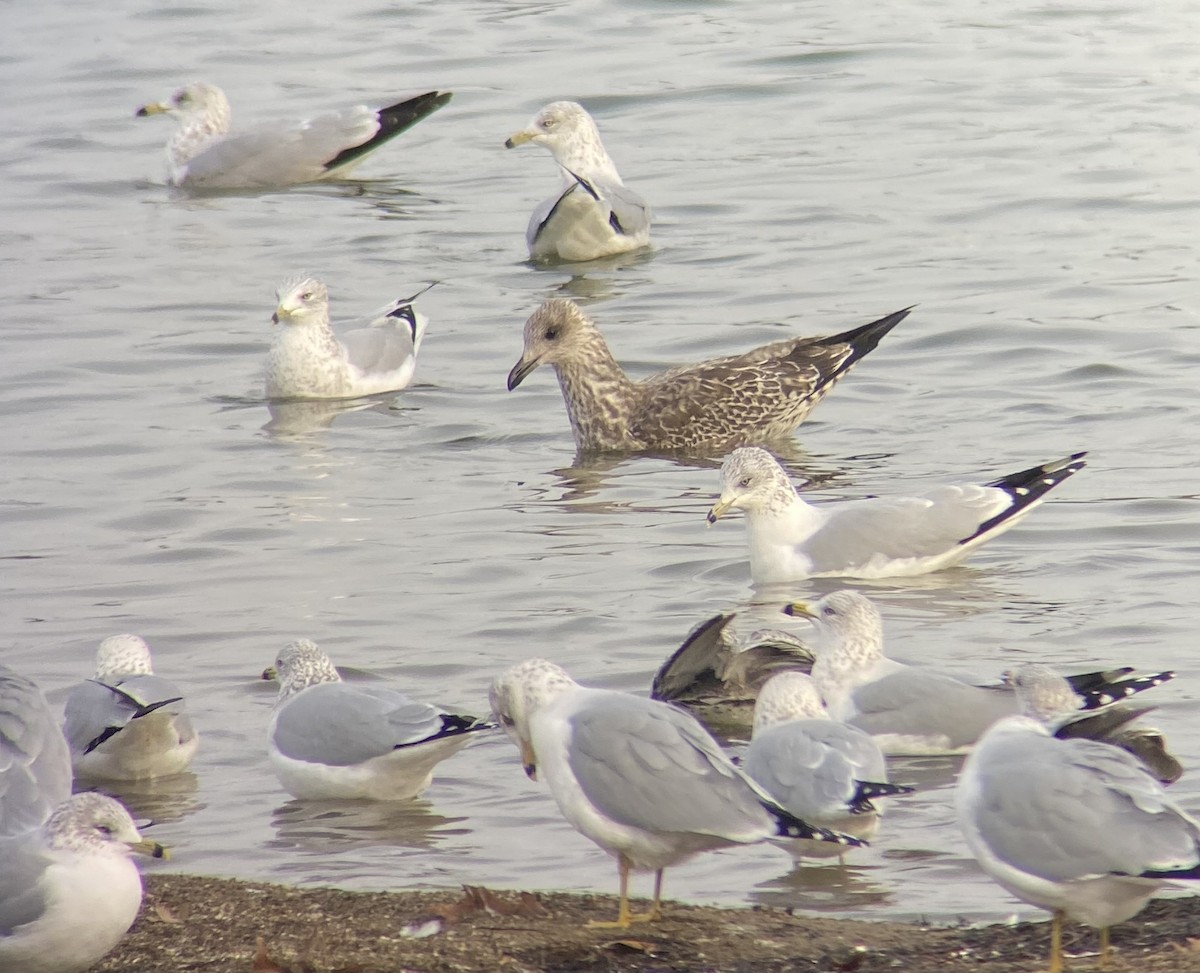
(1025, 174)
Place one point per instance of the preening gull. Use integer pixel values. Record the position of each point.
(710, 406)
(640, 778)
(593, 214)
(35, 765)
(203, 154)
(909, 709)
(328, 739)
(878, 537)
(820, 770)
(1072, 826)
(126, 723)
(68, 890)
(308, 361)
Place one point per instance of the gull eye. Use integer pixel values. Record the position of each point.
(104, 829)
(306, 296)
(828, 611)
(549, 122)
(551, 334)
(744, 482)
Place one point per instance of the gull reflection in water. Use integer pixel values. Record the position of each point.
(157, 799)
(330, 826)
(823, 886)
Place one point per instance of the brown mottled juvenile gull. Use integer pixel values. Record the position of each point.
(640, 778)
(877, 537)
(711, 406)
(593, 214)
(203, 154)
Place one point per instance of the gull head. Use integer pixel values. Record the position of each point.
(94, 823)
(1042, 693)
(848, 627)
(518, 693)
(302, 664)
(787, 696)
(123, 655)
(752, 480)
(566, 129)
(301, 300)
(555, 334)
(196, 99)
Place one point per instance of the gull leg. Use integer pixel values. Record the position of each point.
(624, 918)
(655, 912)
(1056, 953)
(1104, 948)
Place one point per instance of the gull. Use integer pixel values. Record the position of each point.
(717, 678)
(203, 154)
(1072, 826)
(711, 406)
(35, 765)
(328, 739)
(910, 709)
(642, 779)
(308, 361)
(877, 537)
(126, 723)
(820, 770)
(593, 214)
(1046, 696)
(68, 890)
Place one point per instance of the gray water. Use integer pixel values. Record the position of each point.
(1025, 174)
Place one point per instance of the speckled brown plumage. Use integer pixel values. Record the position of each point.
(713, 405)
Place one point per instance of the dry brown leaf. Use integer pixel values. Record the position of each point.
(633, 946)
(165, 914)
(262, 963)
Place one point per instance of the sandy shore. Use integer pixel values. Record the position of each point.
(197, 923)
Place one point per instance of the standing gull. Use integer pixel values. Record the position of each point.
(878, 537)
(328, 739)
(68, 890)
(908, 709)
(593, 214)
(127, 723)
(710, 406)
(202, 154)
(640, 778)
(820, 770)
(1072, 826)
(308, 361)
(35, 765)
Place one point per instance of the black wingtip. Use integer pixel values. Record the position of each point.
(1027, 487)
(867, 790)
(393, 120)
(1112, 692)
(789, 826)
(865, 338)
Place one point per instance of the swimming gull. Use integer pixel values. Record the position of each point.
(35, 765)
(640, 778)
(328, 739)
(877, 537)
(711, 406)
(820, 770)
(126, 723)
(308, 361)
(1072, 826)
(908, 709)
(1045, 695)
(68, 890)
(717, 677)
(594, 214)
(203, 154)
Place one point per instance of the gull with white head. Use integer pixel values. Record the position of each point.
(68, 889)
(328, 739)
(594, 214)
(205, 154)
(709, 406)
(35, 764)
(642, 779)
(820, 770)
(308, 361)
(1076, 827)
(878, 537)
(126, 723)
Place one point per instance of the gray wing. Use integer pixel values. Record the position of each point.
(35, 765)
(803, 773)
(648, 765)
(22, 864)
(380, 349)
(629, 214)
(340, 725)
(1063, 809)
(95, 712)
(279, 155)
(916, 702)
